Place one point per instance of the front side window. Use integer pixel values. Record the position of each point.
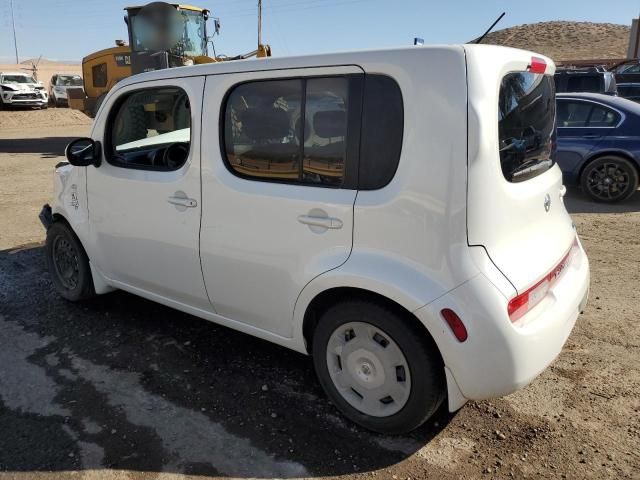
(150, 129)
(526, 116)
(99, 74)
(288, 130)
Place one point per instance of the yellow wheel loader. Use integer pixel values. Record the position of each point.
(161, 35)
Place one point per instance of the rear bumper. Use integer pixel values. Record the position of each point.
(499, 357)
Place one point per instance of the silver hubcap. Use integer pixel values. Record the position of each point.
(368, 369)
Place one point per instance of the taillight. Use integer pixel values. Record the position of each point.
(455, 324)
(538, 65)
(528, 299)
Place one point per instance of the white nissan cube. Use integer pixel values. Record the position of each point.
(396, 214)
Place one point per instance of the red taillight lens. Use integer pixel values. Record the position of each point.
(538, 65)
(528, 299)
(455, 324)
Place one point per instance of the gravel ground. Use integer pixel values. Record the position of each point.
(122, 388)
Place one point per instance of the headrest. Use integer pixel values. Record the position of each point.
(265, 123)
(330, 123)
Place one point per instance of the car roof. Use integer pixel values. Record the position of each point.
(615, 102)
(329, 59)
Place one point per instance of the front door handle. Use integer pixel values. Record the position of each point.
(591, 135)
(323, 222)
(182, 202)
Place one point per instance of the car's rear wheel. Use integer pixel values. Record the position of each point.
(376, 368)
(609, 179)
(68, 263)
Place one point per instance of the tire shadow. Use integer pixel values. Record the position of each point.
(48, 147)
(577, 202)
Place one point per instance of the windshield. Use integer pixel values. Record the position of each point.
(69, 81)
(526, 124)
(186, 34)
(18, 79)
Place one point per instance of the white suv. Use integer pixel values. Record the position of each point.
(393, 213)
(21, 90)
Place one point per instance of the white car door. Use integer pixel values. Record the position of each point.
(277, 212)
(144, 199)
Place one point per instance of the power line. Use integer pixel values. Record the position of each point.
(13, 24)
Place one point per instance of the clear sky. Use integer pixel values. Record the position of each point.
(70, 29)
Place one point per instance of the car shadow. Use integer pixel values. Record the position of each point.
(577, 202)
(120, 382)
(48, 147)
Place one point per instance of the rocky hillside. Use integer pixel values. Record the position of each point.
(563, 40)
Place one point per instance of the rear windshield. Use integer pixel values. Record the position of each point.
(526, 119)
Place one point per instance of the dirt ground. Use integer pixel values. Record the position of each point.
(122, 388)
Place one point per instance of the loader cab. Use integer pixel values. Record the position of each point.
(163, 35)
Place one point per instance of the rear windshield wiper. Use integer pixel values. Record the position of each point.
(529, 167)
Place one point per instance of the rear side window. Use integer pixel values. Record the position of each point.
(526, 116)
(573, 114)
(382, 132)
(585, 83)
(602, 117)
(288, 130)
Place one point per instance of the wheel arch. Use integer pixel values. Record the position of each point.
(326, 298)
(609, 152)
(100, 284)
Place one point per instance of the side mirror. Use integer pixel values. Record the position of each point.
(83, 152)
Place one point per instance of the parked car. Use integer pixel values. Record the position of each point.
(630, 91)
(628, 72)
(598, 144)
(20, 89)
(395, 214)
(58, 86)
(586, 79)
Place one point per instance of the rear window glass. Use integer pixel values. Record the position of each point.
(526, 116)
(629, 91)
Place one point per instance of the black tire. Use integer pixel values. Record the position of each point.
(609, 179)
(68, 263)
(97, 105)
(428, 386)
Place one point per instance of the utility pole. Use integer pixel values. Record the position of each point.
(13, 24)
(259, 22)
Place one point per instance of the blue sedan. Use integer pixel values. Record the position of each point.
(598, 144)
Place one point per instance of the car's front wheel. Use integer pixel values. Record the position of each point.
(68, 263)
(609, 179)
(378, 369)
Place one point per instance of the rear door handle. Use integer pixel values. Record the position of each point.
(591, 135)
(324, 222)
(183, 202)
